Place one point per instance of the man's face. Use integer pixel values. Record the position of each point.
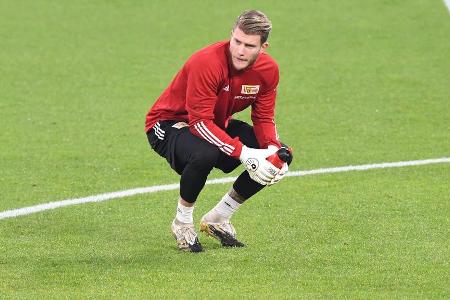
(244, 48)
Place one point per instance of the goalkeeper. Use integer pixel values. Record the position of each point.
(191, 126)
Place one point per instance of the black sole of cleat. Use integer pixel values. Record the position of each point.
(235, 243)
(225, 239)
(196, 248)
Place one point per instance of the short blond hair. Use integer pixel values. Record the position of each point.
(254, 22)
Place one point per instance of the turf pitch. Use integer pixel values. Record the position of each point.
(360, 83)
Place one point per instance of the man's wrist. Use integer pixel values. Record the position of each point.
(237, 151)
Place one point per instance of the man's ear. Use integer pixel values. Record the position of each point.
(264, 46)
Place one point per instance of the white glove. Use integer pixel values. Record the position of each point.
(258, 167)
(280, 174)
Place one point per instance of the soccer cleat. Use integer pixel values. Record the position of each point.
(223, 232)
(187, 238)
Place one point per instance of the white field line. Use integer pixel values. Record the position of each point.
(169, 187)
(447, 2)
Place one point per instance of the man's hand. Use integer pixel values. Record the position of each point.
(284, 154)
(280, 174)
(259, 169)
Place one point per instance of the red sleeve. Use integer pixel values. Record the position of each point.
(263, 112)
(204, 80)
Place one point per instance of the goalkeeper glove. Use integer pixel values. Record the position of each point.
(280, 160)
(258, 167)
(280, 174)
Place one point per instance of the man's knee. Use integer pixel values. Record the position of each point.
(205, 158)
(228, 164)
(244, 131)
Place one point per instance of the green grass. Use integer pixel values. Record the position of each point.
(325, 238)
(361, 82)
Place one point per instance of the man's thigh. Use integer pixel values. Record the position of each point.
(177, 144)
(186, 147)
(244, 131)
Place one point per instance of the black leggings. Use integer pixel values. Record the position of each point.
(194, 158)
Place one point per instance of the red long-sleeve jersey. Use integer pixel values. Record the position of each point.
(207, 91)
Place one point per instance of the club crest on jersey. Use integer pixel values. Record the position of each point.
(250, 89)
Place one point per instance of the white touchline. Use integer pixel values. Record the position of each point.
(447, 2)
(169, 187)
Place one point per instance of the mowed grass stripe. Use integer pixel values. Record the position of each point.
(158, 188)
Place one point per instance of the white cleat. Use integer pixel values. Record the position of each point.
(224, 232)
(186, 237)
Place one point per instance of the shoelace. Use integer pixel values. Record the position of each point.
(227, 227)
(188, 233)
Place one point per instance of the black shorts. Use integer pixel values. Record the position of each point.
(176, 143)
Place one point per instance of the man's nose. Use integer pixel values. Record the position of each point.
(241, 50)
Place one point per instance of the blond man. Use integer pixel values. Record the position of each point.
(191, 126)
